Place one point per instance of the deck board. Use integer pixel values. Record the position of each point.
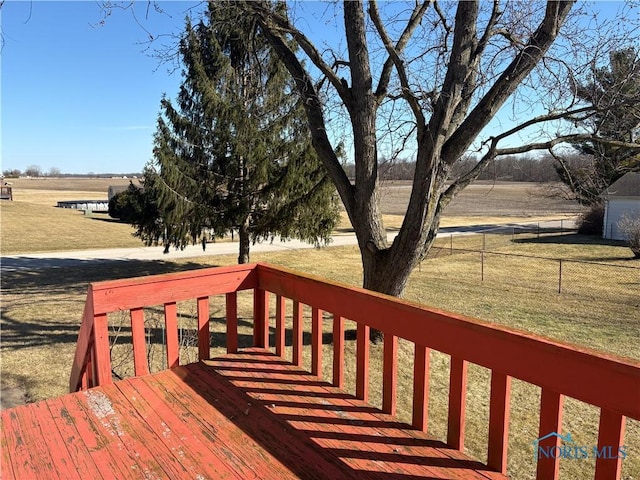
(241, 416)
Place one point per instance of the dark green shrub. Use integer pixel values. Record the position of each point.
(590, 222)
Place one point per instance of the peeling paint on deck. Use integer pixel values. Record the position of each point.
(100, 405)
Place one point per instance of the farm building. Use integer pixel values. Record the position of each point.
(622, 197)
(100, 206)
(115, 189)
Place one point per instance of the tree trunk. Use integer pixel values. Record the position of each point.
(244, 240)
(383, 277)
(387, 270)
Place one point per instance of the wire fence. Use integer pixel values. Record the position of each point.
(473, 257)
(486, 238)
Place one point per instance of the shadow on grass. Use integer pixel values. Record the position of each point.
(44, 307)
(104, 217)
(573, 239)
(592, 240)
(65, 275)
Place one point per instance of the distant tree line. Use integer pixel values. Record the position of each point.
(31, 171)
(522, 168)
(35, 171)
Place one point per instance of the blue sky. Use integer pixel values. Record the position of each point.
(78, 96)
(83, 97)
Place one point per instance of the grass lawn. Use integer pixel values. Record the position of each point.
(28, 227)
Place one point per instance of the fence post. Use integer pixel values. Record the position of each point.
(561, 226)
(482, 265)
(538, 235)
(560, 276)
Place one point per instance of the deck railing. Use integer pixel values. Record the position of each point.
(605, 381)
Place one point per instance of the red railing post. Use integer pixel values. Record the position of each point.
(260, 318)
(390, 374)
(280, 330)
(203, 329)
(499, 421)
(86, 379)
(338, 351)
(362, 362)
(297, 334)
(420, 388)
(82, 373)
(232, 322)
(457, 403)
(139, 342)
(171, 327)
(551, 404)
(316, 341)
(610, 439)
(102, 351)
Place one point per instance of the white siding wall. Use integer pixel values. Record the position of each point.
(614, 209)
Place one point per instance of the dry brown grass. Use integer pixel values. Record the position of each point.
(32, 223)
(97, 186)
(485, 198)
(28, 227)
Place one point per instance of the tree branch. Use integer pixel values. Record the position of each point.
(394, 56)
(412, 24)
(283, 24)
(511, 78)
(488, 31)
(573, 138)
(468, 177)
(458, 71)
(567, 115)
(313, 107)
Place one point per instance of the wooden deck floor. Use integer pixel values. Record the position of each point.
(247, 415)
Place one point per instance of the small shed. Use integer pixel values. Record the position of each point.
(115, 189)
(622, 197)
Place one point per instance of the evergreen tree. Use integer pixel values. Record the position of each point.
(615, 94)
(235, 152)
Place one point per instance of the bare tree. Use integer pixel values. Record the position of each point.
(423, 80)
(629, 226)
(33, 171)
(54, 172)
(425, 77)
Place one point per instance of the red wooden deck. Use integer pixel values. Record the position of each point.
(254, 414)
(249, 415)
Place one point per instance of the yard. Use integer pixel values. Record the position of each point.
(42, 309)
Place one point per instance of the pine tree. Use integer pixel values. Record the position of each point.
(615, 93)
(235, 152)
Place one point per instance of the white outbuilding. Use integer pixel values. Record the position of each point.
(621, 198)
